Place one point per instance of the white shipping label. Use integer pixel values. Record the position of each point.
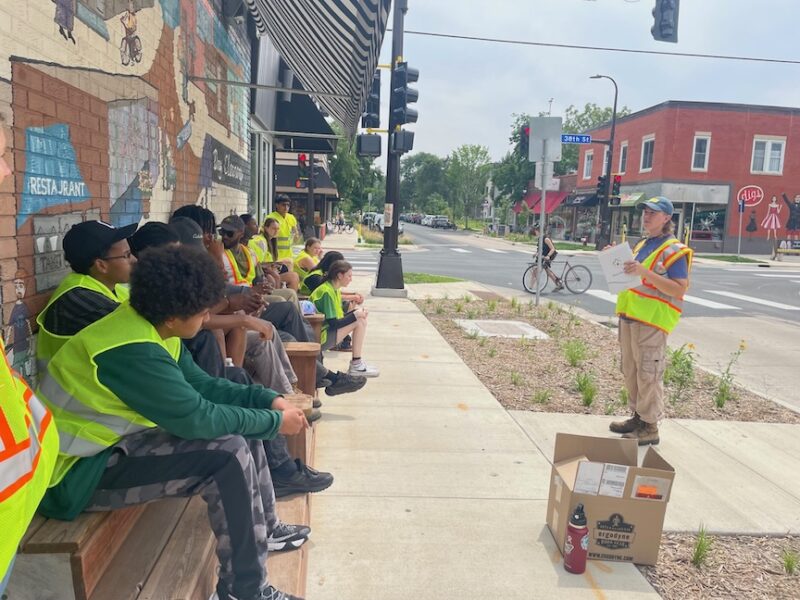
(650, 488)
(587, 481)
(558, 489)
(614, 479)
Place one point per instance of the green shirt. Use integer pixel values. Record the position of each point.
(180, 398)
(328, 301)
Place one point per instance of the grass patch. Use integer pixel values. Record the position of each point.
(587, 388)
(702, 546)
(679, 374)
(376, 237)
(560, 245)
(516, 378)
(575, 351)
(541, 397)
(731, 258)
(790, 560)
(428, 278)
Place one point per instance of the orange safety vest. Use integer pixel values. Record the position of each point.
(232, 270)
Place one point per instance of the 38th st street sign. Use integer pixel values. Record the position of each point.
(571, 138)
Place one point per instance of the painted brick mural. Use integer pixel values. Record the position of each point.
(99, 119)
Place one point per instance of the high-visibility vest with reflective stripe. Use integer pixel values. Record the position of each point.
(304, 289)
(300, 270)
(284, 237)
(89, 416)
(258, 244)
(232, 270)
(48, 343)
(645, 303)
(28, 450)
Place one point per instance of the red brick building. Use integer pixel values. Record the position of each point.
(706, 157)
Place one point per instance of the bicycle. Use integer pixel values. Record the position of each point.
(576, 278)
(130, 49)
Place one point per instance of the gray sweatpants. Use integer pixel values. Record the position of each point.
(268, 364)
(231, 475)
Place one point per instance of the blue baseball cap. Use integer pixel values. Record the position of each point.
(659, 203)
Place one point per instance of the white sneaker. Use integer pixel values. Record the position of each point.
(363, 369)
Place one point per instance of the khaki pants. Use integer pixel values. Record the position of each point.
(643, 350)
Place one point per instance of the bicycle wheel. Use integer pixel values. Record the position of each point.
(578, 279)
(348, 228)
(533, 278)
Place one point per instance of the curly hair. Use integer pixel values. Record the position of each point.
(171, 282)
(200, 215)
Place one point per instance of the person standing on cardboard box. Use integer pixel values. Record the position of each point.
(647, 314)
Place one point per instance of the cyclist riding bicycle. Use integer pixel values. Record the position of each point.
(550, 253)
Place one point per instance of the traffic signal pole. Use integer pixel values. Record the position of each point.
(604, 235)
(390, 266)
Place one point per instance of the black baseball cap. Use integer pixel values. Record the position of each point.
(85, 242)
(189, 232)
(152, 235)
(232, 223)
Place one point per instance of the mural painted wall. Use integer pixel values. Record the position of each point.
(99, 119)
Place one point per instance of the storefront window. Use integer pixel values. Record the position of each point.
(586, 219)
(708, 222)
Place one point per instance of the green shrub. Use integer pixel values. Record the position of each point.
(679, 374)
(790, 560)
(702, 546)
(587, 388)
(575, 351)
(516, 379)
(541, 397)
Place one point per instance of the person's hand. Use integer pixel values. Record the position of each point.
(264, 328)
(358, 299)
(361, 314)
(280, 403)
(215, 247)
(634, 267)
(264, 287)
(247, 301)
(294, 421)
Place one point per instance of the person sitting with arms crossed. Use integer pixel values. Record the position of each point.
(308, 258)
(143, 422)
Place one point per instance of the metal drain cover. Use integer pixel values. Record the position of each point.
(504, 329)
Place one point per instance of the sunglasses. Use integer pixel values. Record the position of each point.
(226, 233)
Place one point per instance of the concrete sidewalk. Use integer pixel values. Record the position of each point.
(441, 493)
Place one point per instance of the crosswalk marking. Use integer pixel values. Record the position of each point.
(496, 251)
(760, 270)
(462, 250)
(709, 303)
(753, 300)
(603, 295)
(781, 275)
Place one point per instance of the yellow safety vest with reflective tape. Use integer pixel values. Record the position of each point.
(48, 343)
(284, 237)
(232, 270)
(645, 303)
(258, 244)
(300, 270)
(89, 416)
(28, 450)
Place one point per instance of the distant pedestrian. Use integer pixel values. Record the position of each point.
(647, 314)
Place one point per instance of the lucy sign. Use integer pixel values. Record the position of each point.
(751, 195)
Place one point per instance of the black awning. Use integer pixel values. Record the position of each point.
(301, 114)
(286, 176)
(331, 45)
(582, 200)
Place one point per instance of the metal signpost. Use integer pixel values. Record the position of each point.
(544, 149)
(571, 138)
(741, 215)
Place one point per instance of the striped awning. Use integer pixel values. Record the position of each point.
(331, 45)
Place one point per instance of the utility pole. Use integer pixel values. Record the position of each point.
(390, 266)
(604, 235)
(310, 231)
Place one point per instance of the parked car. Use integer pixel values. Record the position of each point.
(426, 220)
(442, 223)
(379, 225)
(368, 219)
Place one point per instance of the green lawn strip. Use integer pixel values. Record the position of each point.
(731, 258)
(428, 278)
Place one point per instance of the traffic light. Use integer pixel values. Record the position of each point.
(302, 171)
(524, 141)
(372, 113)
(402, 95)
(665, 21)
(601, 186)
(615, 185)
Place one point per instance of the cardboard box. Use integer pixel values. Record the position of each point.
(624, 503)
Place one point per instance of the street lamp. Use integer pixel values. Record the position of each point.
(604, 237)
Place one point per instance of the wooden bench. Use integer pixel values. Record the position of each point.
(163, 550)
(316, 321)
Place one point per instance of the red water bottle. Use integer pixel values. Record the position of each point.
(576, 544)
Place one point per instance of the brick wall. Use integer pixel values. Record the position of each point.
(102, 122)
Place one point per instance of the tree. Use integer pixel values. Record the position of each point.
(355, 177)
(467, 174)
(581, 121)
(421, 176)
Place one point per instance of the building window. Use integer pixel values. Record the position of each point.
(588, 162)
(702, 146)
(623, 158)
(708, 222)
(648, 148)
(768, 155)
(605, 161)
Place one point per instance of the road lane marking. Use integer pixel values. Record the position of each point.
(461, 250)
(753, 300)
(709, 303)
(776, 275)
(496, 251)
(603, 295)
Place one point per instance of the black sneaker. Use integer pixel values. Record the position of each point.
(267, 593)
(345, 346)
(345, 384)
(287, 537)
(314, 415)
(317, 403)
(305, 480)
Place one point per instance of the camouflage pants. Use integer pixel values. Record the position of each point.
(231, 475)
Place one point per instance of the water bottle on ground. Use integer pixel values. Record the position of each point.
(576, 543)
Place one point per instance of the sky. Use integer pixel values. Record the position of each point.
(468, 90)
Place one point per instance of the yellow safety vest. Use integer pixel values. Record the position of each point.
(48, 343)
(258, 244)
(284, 236)
(89, 416)
(28, 449)
(300, 270)
(232, 270)
(304, 289)
(645, 303)
(327, 289)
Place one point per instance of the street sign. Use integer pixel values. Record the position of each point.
(571, 138)
(741, 206)
(545, 129)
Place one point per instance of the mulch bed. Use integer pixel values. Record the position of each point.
(737, 567)
(536, 375)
